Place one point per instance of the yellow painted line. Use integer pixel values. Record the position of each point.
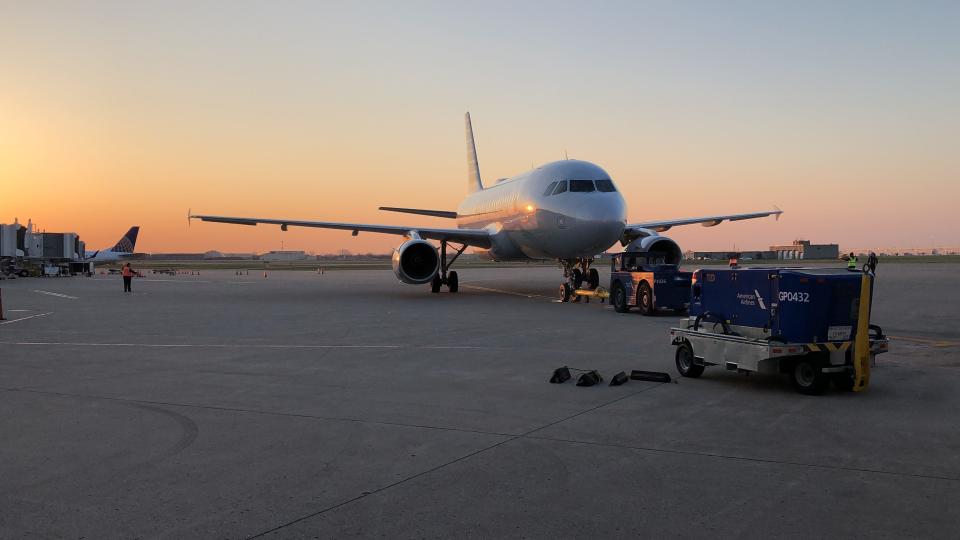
(927, 341)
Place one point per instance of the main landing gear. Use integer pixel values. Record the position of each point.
(446, 276)
(576, 273)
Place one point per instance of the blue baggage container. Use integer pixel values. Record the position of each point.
(792, 304)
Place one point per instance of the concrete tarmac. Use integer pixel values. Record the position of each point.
(350, 405)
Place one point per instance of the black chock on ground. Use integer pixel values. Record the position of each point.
(560, 375)
(589, 378)
(618, 379)
(652, 376)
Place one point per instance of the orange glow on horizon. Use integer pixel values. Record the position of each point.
(116, 117)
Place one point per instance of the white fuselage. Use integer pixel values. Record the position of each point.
(106, 255)
(531, 222)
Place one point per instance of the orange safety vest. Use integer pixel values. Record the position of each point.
(127, 271)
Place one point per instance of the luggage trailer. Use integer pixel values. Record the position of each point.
(812, 324)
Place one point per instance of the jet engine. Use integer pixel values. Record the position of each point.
(416, 262)
(657, 247)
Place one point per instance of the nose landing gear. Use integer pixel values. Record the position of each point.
(576, 273)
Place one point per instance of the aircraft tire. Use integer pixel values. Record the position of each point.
(565, 292)
(435, 284)
(577, 278)
(593, 277)
(453, 283)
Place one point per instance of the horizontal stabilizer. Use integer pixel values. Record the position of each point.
(434, 213)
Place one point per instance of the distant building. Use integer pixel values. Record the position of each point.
(799, 249)
(803, 249)
(727, 255)
(284, 256)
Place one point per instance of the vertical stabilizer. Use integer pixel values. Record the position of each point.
(128, 242)
(473, 166)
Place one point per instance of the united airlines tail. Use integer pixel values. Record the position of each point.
(473, 166)
(128, 242)
(123, 248)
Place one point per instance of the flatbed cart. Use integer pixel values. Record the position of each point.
(809, 324)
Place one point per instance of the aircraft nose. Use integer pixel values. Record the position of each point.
(603, 218)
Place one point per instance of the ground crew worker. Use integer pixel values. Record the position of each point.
(851, 261)
(872, 262)
(128, 274)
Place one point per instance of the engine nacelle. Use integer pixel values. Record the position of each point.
(656, 247)
(416, 262)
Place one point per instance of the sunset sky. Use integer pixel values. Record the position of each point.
(844, 114)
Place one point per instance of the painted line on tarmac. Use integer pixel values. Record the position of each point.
(501, 291)
(25, 318)
(174, 281)
(60, 295)
(227, 345)
(939, 343)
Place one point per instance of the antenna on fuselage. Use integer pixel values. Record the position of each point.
(474, 183)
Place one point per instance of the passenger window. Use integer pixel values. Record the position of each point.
(549, 190)
(561, 187)
(605, 186)
(581, 186)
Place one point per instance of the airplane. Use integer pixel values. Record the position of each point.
(567, 210)
(123, 248)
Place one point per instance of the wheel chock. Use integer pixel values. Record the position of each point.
(651, 376)
(618, 379)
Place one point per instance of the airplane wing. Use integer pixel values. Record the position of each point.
(435, 213)
(472, 237)
(636, 230)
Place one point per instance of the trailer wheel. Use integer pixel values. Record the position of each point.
(843, 381)
(685, 364)
(807, 377)
(618, 298)
(645, 299)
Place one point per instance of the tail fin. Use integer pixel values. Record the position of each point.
(474, 183)
(127, 243)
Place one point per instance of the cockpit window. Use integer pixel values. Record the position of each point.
(581, 186)
(605, 186)
(561, 187)
(549, 190)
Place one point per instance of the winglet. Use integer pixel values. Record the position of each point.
(778, 212)
(189, 217)
(474, 183)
